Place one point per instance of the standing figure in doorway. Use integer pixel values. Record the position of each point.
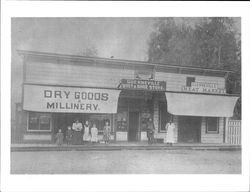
(94, 134)
(77, 134)
(106, 132)
(150, 131)
(86, 135)
(59, 137)
(170, 129)
(69, 135)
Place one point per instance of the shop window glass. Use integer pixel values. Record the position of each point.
(165, 117)
(99, 120)
(39, 121)
(145, 116)
(212, 125)
(122, 118)
(189, 81)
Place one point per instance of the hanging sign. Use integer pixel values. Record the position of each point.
(149, 85)
(204, 87)
(69, 99)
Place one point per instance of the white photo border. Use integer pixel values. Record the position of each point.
(139, 182)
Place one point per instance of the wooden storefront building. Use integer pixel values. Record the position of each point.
(59, 88)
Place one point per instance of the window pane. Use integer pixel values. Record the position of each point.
(145, 116)
(44, 122)
(33, 121)
(100, 120)
(212, 124)
(189, 81)
(122, 121)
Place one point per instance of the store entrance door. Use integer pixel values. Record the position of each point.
(189, 129)
(133, 126)
(62, 120)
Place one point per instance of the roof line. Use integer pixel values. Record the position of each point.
(131, 62)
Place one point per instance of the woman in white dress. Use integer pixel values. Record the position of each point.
(86, 135)
(170, 129)
(94, 134)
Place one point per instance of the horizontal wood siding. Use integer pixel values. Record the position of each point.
(76, 75)
(176, 81)
(212, 137)
(99, 76)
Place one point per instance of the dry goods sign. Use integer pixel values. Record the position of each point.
(70, 99)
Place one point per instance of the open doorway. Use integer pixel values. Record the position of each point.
(63, 120)
(133, 126)
(189, 129)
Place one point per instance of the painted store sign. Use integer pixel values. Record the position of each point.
(69, 99)
(149, 85)
(204, 87)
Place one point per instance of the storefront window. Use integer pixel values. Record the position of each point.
(189, 81)
(122, 118)
(164, 116)
(212, 125)
(99, 120)
(39, 122)
(145, 116)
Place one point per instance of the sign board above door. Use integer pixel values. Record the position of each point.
(148, 85)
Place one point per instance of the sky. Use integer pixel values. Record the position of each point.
(123, 38)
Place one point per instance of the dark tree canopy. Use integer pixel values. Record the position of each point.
(209, 43)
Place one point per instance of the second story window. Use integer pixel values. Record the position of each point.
(189, 81)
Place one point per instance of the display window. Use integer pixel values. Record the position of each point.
(122, 121)
(99, 120)
(39, 121)
(212, 125)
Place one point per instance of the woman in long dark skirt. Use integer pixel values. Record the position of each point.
(77, 133)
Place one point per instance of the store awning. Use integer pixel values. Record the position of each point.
(200, 105)
(61, 99)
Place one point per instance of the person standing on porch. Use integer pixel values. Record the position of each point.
(86, 135)
(69, 135)
(150, 131)
(59, 137)
(106, 132)
(77, 134)
(170, 129)
(94, 134)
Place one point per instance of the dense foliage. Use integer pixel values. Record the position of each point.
(208, 43)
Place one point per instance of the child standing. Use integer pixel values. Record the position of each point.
(59, 137)
(69, 135)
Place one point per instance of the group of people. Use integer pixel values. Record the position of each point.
(169, 137)
(80, 134)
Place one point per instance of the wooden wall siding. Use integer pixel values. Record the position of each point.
(209, 137)
(21, 126)
(121, 136)
(175, 121)
(79, 75)
(176, 81)
(51, 73)
(156, 116)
